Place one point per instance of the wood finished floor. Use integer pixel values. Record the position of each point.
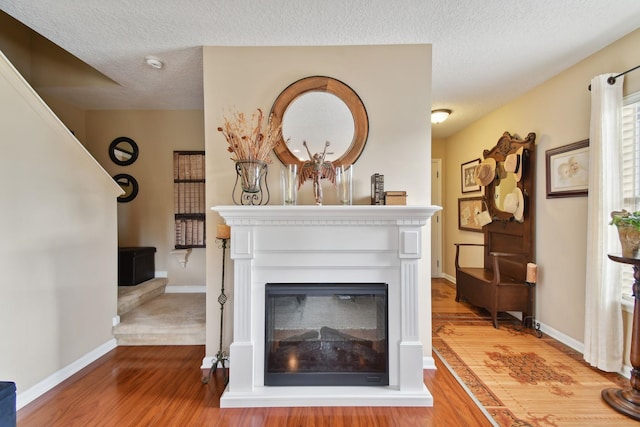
(161, 386)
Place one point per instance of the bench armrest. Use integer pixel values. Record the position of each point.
(496, 264)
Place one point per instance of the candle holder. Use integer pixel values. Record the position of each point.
(222, 357)
(344, 184)
(289, 184)
(530, 321)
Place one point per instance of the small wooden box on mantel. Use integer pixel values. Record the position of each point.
(395, 197)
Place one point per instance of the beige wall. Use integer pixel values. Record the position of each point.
(58, 253)
(399, 138)
(148, 220)
(558, 112)
(438, 148)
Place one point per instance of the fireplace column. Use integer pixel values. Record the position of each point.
(410, 352)
(242, 349)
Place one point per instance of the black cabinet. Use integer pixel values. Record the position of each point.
(135, 265)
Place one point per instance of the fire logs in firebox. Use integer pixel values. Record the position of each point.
(327, 350)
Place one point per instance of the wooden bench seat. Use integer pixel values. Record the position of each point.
(490, 289)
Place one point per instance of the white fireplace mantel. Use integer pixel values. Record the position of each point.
(326, 244)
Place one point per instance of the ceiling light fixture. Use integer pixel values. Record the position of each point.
(439, 116)
(154, 62)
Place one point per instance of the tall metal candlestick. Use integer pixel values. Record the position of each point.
(221, 358)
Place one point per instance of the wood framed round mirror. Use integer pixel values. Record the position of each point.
(318, 109)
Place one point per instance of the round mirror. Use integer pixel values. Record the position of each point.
(123, 151)
(319, 109)
(317, 117)
(129, 185)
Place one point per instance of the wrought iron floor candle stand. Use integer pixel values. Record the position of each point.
(221, 358)
(530, 321)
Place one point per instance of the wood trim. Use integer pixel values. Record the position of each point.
(337, 88)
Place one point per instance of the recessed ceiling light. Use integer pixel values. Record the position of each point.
(154, 62)
(439, 116)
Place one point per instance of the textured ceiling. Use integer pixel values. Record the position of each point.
(485, 53)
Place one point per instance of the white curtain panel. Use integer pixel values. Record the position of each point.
(603, 340)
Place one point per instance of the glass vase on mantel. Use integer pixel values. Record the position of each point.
(251, 186)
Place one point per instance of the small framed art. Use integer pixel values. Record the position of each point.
(568, 170)
(467, 176)
(468, 210)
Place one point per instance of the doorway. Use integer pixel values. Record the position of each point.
(436, 219)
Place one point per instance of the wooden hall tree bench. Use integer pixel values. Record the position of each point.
(509, 194)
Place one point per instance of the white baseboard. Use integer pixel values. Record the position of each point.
(56, 378)
(207, 362)
(452, 279)
(626, 371)
(564, 339)
(162, 274)
(428, 362)
(187, 289)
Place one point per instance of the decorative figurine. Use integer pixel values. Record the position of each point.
(317, 168)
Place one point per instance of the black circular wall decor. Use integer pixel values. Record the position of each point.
(129, 185)
(123, 151)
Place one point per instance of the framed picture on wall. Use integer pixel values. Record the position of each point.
(467, 176)
(568, 170)
(468, 210)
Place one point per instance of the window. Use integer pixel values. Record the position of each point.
(188, 199)
(630, 152)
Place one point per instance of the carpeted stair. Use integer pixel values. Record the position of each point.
(130, 297)
(149, 316)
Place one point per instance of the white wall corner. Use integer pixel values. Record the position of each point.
(58, 377)
(116, 320)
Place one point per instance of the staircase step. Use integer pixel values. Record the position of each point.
(169, 319)
(130, 297)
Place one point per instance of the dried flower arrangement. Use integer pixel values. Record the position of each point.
(251, 139)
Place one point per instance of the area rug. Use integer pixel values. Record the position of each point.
(519, 379)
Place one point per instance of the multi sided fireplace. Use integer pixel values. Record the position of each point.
(321, 334)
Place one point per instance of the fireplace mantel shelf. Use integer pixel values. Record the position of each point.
(330, 214)
(329, 244)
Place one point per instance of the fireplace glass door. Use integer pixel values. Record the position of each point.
(326, 334)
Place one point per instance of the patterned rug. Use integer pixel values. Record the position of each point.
(519, 379)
